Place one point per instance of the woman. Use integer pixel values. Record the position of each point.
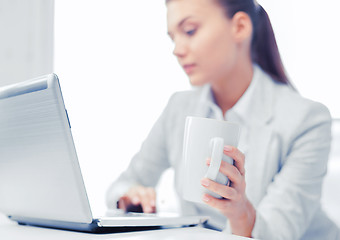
(228, 49)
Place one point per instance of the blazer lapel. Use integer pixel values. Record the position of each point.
(259, 137)
(256, 161)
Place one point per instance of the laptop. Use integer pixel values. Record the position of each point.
(40, 178)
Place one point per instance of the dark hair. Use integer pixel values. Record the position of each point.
(264, 48)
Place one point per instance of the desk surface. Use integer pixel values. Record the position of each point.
(10, 230)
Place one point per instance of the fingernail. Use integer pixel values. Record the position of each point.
(208, 161)
(227, 148)
(147, 209)
(205, 198)
(205, 182)
(152, 203)
(135, 200)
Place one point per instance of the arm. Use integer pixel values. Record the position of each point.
(294, 195)
(146, 166)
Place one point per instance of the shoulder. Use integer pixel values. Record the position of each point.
(287, 110)
(295, 116)
(186, 96)
(290, 104)
(180, 105)
(183, 101)
(284, 101)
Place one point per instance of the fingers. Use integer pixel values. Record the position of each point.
(235, 173)
(238, 157)
(221, 204)
(230, 171)
(139, 195)
(147, 198)
(124, 202)
(220, 189)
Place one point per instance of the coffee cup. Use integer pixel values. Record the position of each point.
(205, 138)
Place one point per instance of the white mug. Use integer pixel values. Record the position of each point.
(205, 138)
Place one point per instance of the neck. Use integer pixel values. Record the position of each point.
(229, 89)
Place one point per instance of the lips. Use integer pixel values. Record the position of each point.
(188, 68)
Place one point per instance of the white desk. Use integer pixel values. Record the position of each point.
(10, 230)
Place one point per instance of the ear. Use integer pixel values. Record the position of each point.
(242, 27)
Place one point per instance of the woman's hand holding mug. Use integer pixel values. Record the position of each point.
(220, 182)
(234, 203)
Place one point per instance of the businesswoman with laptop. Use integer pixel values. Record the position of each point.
(229, 52)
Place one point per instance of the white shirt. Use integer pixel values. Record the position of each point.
(239, 113)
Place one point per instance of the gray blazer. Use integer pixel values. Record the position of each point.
(288, 140)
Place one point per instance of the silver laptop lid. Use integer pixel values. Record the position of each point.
(40, 175)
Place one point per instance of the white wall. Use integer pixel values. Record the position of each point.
(26, 39)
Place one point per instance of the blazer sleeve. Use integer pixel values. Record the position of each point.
(147, 165)
(293, 197)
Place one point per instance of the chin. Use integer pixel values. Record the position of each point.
(196, 81)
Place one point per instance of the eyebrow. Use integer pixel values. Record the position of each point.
(181, 23)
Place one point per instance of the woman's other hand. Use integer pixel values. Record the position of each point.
(234, 204)
(139, 199)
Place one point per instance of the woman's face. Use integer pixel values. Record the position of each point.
(204, 43)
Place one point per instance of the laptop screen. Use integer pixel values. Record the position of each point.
(40, 175)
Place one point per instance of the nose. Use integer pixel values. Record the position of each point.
(179, 50)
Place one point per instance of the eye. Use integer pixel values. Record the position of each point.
(190, 32)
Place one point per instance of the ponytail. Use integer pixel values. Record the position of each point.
(264, 49)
